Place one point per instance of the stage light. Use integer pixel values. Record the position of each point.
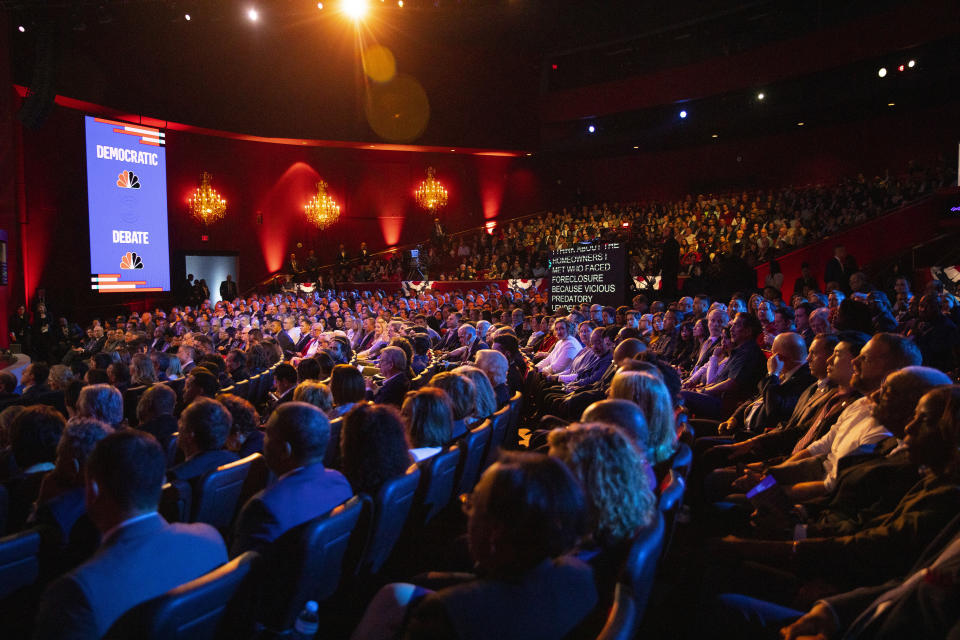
(636, 147)
(591, 129)
(912, 64)
(800, 124)
(716, 135)
(186, 17)
(901, 68)
(253, 15)
(400, 3)
(891, 104)
(683, 114)
(354, 9)
(22, 29)
(882, 72)
(320, 5)
(761, 96)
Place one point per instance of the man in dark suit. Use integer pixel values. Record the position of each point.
(467, 334)
(284, 382)
(160, 342)
(450, 339)
(918, 605)
(237, 365)
(342, 256)
(839, 268)
(293, 266)
(296, 441)
(228, 289)
(187, 355)
(204, 427)
(393, 367)
(34, 380)
(140, 557)
(805, 281)
(283, 338)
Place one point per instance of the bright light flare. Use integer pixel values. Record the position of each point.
(882, 72)
(683, 115)
(356, 10)
(252, 14)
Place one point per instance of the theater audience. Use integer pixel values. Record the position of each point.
(133, 565)
(296, 441)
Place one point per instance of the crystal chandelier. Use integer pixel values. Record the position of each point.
(206, 205)
(322, 211)
(430, 194)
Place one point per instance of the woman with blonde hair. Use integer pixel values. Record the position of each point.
(428, 416)
(381, 338)
(486, 404)
(142, 373)
(653, 398)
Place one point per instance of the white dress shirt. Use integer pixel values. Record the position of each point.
(856, 427)
(560, 356)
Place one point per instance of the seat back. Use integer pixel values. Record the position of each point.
(474, 448)
(682, 459)
(230, 389)
(438, 474)
(516, 407)
(215, 605)
(172, 449)
(671, 499)
(175, 501)
(258, 477)
(385, 516)
(266, 384)
(177, 386)
(622, 620)
(642, 560)
(131, 397)
(217, 493)
(241, 388)
(500, 422)
(4, 507)
(331, 459)
(254, 390)
(306, 563)
(19, 561)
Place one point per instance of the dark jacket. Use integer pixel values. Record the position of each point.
(200, 464)
(393, 390)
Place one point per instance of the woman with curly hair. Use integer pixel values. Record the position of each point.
(612, 472)
(653, 398)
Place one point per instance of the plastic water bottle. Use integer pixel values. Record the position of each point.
(307, 622)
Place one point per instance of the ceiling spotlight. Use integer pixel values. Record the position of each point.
(716, 135)
(591, 129)
(22, 29)
(636, 147)
(186, 17)
(890, 104)
(354, 9)
(800, 124)
(912, 64)
(253, 15)
(882, 72)
(761, 96)
(683, 114)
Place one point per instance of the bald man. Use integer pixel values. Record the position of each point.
(787, 377)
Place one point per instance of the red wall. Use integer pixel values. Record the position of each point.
(8, 201)
(374, 188)
(807, 155)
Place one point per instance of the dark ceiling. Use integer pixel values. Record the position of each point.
(297, 73)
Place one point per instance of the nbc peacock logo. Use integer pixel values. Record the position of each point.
(128, 180)
(130, 260)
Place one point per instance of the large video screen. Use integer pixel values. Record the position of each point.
(591, 273)
(127, 199)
